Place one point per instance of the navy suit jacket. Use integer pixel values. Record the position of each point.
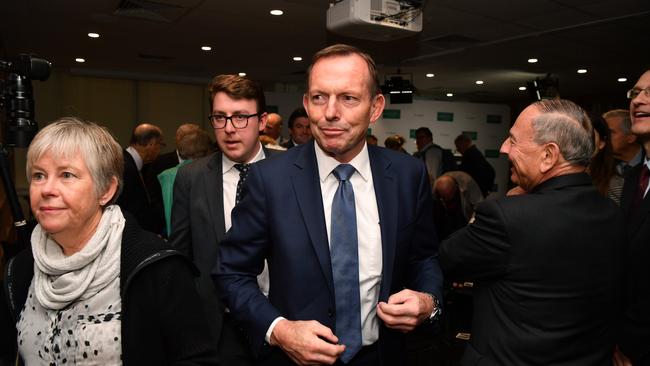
(281, 219)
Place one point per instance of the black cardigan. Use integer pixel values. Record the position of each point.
(163, 321)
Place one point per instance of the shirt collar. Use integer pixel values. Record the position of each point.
(136, 157)
(227, 164)
(326, 163)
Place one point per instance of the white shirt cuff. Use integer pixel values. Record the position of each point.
(270, 331)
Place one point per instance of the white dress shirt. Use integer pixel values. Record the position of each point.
(136, 157)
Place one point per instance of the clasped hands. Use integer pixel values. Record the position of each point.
(311, 343)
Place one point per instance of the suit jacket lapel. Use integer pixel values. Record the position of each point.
(306, 184)
(386, 192)
(213, 181)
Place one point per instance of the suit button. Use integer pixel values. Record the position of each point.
(330, 312)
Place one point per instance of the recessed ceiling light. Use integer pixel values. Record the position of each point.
(479, 82)
(450, 94)
(522, 88)
(297, 58)
(532, 60)
(582, 71)
(276, 12)
(622, 80)
(80, 60)
(430, 75)
(93, 35)
(206, 48)
(242, 74)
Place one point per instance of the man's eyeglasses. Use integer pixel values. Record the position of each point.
(634, 92)
(238, 120)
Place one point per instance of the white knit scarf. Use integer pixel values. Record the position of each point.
(61, 280)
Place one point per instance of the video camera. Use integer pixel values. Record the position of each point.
(17, 99)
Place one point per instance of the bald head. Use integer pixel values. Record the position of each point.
(445, 188)
(147, 139)
(273, 125)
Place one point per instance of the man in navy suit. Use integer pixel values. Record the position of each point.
(286, 217)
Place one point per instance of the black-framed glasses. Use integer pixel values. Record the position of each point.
(634, 92)
(238, 120)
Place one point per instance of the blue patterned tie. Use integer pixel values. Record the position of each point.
(345, 264)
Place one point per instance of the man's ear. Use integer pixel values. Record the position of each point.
(550, 156)
(630, 138)
(262, 124)
(377, 107)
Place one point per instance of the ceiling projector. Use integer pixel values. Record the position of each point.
(375, 20)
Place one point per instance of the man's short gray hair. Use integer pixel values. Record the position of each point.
(624, 114)
(68, 136)
(563, 122)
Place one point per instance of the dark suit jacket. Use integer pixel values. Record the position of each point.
(635, 337)
(546, 267)
(475, 164)
(288, 144)
(281, 219)
(135, 197)
(198, 220)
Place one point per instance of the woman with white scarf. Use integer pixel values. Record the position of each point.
(95, 288)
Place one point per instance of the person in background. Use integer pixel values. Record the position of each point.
(455, 197)
(437, 159)
(395, 142)
(371, 140)
(475, 164)
(298, 128)
(94, 288)
(602, 168)
(191, 145)
(145, 206)
(273, 130)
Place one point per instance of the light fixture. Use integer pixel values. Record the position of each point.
(206, 48)
(80, 60)
(297, 58)
(532, 60)
(522, 88)
(582, 71)
(479, 82)
(430, 75)
(622, 80)
(276, 12)
(93, 35)
(450, 94)
(242, 74)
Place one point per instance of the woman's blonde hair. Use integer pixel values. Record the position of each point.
(68, 136)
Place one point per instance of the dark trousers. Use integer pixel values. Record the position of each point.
(367, 356)
(233, 347)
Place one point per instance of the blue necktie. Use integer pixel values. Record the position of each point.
(345, 264)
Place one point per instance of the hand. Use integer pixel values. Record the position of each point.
(307, 342)
(620, 359)
(405, 310)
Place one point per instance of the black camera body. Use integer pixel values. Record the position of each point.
(16, 97)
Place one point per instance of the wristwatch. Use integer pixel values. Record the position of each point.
(435, 314)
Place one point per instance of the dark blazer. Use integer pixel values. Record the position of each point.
(288, 144)
(198, 223)
(162, 323)
(547, 273)
(475, 164)
(281, 219)
(635, 336)
(135, 197)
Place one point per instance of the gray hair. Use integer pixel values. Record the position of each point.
(563, 122)
(626, 124)
(68, 136)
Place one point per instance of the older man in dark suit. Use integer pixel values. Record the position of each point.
(546, 263)
(346, 229)
(206, 190)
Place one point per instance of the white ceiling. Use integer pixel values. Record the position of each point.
(461, 41)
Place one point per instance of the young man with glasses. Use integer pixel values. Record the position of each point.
(206, 191)
(635, 202)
